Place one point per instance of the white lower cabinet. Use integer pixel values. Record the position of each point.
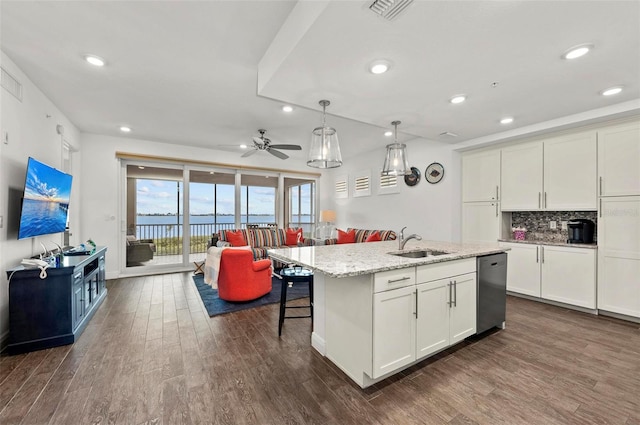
(412, 322)
(446, 313)
(556, 273)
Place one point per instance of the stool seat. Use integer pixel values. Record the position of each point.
(290, 276)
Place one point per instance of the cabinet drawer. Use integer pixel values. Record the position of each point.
(431, 272)
(392, 279)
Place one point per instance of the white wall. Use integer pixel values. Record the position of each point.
(31, 129)
(103, 219)
(431, 210)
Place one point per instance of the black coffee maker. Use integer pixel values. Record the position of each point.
(580, 230)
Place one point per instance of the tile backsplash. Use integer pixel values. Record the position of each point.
(537, 224)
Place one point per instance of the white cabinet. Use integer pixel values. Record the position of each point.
(619, 160)
(394, 329)
(555, 174)
(569, 275)
(480, 222)
(523, 268)
(481, 176)
(570, 172)
(619, 255)
(556, 273)
(522, 177)
(414, 321)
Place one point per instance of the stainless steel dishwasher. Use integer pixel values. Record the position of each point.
(492, 291)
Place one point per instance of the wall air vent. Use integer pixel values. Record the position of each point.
(10, 84)
(389, 9)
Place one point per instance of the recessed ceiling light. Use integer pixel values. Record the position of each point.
(379, 67)
(388, 133)
(125, 129)
(287, 108)
(212, 172)
(506, 120)
(611, 91)
(141, 167)
(577, 51)
(459, 98)
(94, 60)
(243, 146)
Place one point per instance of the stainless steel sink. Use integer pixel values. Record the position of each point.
(418, 254)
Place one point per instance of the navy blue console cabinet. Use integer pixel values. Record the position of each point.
(54, 311)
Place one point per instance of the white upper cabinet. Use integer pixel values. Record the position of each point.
(480, 222)
(481, 176)
(555, 174)
(619, 160)
(522, 177)
(570, 172)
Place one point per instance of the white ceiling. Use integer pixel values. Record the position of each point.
(187, 72)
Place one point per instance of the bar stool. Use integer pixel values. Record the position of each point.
(291, 275)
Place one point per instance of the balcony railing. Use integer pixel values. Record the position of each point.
(167, 238)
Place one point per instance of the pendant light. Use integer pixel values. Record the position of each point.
(396, 163)
(325, 150)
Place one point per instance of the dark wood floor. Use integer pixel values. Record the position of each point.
(152, 355)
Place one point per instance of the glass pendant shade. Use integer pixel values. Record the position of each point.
(325, 148)
(396, 162)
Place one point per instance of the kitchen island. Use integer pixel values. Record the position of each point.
(377, 313)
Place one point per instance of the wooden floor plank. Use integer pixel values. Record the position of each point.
(151, 355)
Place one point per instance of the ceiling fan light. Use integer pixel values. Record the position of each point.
(325, 147)
(396, 162)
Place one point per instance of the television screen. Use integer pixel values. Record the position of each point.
(45, 204)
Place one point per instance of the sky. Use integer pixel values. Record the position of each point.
(161, 197)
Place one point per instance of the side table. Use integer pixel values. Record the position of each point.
(290, 276)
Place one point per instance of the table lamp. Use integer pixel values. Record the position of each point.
(327, 219)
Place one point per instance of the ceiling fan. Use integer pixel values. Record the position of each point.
(263, 144)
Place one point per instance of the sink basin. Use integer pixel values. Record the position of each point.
(418, 254)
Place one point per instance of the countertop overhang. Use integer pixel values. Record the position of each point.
(371, 257)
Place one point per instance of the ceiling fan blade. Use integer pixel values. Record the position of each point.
(249, 153)
(278, 153)
(290, 147)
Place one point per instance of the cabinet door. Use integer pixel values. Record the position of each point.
(481, 176)
(480, 222)
(78, 305)
(432, 327)
(569, 275)
(619, 255)
(523, 268)
(619, 160)
(521, 177)
(570, 175)
(394, 327)
(462, 315)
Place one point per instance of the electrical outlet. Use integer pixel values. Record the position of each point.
(553, 225)
(563, 225)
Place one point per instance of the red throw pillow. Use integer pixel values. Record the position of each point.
(374, 237)
(235, 238)
(293, 236)
(347, 237)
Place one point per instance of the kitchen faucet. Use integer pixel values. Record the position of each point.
(402, 241)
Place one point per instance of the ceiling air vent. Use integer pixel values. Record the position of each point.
(11, 85)
(389, 9)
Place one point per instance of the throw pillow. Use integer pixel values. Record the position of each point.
(346, 237)
(293, 236)
(235, 238)
(374, 237)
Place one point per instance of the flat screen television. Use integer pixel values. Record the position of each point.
(45, 203)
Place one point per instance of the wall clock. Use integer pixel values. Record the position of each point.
(413, 178)
(434, 172)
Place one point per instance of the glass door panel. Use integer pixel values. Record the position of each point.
(300, 195)
(211, 207)
(258, 200)
(154, 211)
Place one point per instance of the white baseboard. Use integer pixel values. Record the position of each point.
(318, 343)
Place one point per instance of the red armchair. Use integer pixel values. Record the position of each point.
(241, 278)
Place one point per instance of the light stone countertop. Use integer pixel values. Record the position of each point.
(371, 257)
(554, 243)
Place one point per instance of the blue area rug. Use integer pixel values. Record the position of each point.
(216, 306)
